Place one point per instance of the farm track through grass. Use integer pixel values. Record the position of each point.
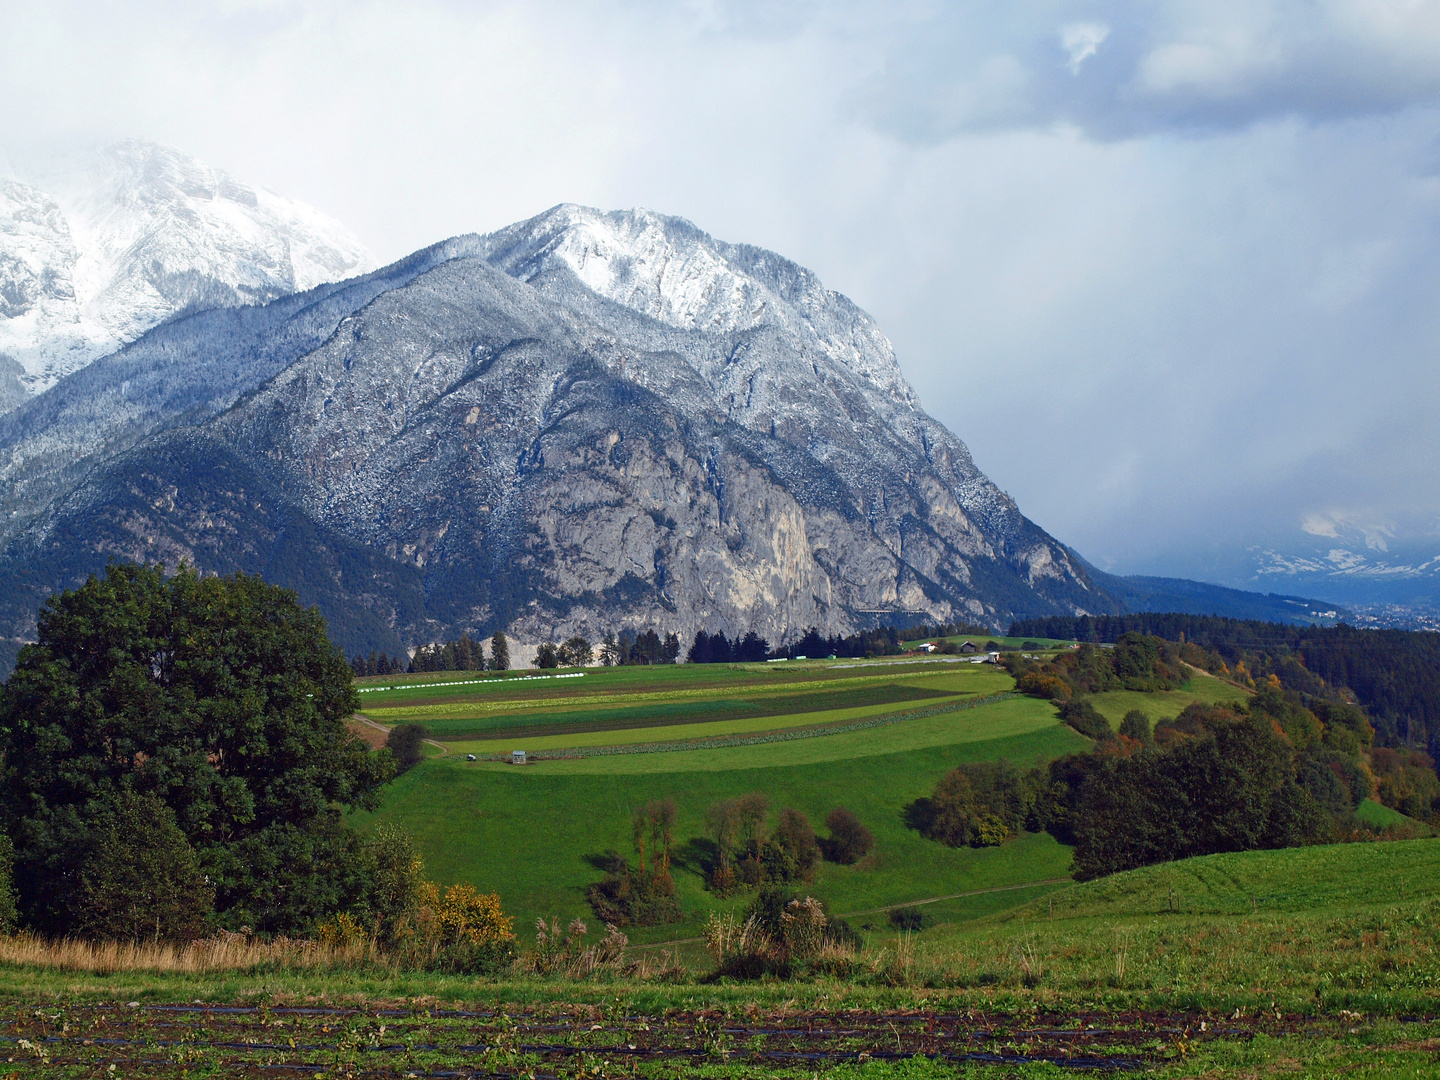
(702, 734)
(578, 721)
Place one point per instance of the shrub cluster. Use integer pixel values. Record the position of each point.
(405, 743)
(1137, 662)
(981, 804)
(643, 895)
(780, 933)
(749, 853)
(849, 840)
(458, 930)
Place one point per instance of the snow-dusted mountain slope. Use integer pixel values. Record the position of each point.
(94, 255)
(583, 422)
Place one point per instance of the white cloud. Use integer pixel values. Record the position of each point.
(1080, 42)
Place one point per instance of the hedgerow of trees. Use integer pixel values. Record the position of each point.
(1271, 772)
(643, 895)
(748, 852)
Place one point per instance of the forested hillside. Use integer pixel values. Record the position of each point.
(1394, 674)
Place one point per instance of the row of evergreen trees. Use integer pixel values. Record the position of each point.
(883, 641)
(646, 647)
(718, 649)
(462, 654)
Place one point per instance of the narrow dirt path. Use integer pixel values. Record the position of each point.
(382, 729)
(891, 907)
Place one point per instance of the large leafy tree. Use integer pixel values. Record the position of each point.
(221, 697)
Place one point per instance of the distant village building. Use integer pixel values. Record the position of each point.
(517, 757)
(925, 646)
(969, 646)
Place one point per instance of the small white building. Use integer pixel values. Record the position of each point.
(517, 757)
(925, 646)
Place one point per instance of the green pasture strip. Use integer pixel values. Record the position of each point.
(539, 694)
(536, 833)
(985, 721)
(630, 678)
(664, 714)
(1167, 704)
(700, 734)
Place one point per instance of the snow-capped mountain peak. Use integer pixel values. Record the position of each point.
(672, 271)
(94, 254)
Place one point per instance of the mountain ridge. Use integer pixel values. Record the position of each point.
(652, 460)
(691, 435)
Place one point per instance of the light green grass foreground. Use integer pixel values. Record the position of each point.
(1353, 926)
(1312, 953)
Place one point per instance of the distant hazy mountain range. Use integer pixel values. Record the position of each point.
(585, 421)
(1388, 573)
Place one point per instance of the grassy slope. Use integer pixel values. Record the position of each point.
(1379, 816)
(527, 832)
(1347, 925)
(1167, 705)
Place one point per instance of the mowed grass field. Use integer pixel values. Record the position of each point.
(538, 834)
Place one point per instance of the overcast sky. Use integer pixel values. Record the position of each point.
(1170, 269)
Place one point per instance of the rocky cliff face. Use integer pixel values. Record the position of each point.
(586, 421)
(94, 254)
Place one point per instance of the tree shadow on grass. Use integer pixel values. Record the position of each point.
(699, 855)
(919, 815)
(609, 861)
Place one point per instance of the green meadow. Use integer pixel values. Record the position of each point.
(1167, 704)
(872, 737)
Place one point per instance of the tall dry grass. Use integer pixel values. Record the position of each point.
(226, 952)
